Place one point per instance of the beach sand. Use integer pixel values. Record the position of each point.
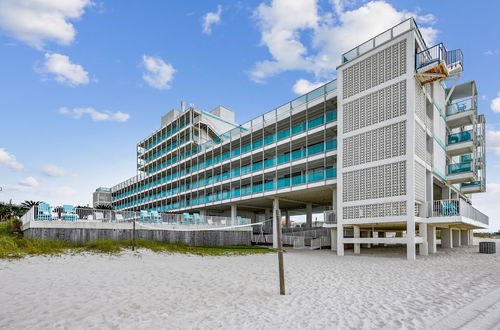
(145, 290)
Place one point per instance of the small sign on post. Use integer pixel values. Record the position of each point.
(280, 253)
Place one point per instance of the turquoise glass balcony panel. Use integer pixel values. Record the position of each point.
(470, 184)
(269, 139)
(269, 162)
(466, 158)
(283, 159)
(300, 179)
(283, 183)
(246, 191)
(236, 192)
(298, 154)
(458, 107)
(460, 137)
(246, 169)
(226, 194)
(315, 149)
(331, 116)
(257, 166)
(315, 122)
(235, 152)
(315, 176)
(226, 175)
(257, 144)
(246, 148)
(298, 128)
(256, 188)
(459, 168)
(236, 172)
(283, 134)
(269, 186)
(332, 85)
(331, 145)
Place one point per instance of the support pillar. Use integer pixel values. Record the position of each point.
(287, 217)
(268, 224)
(431, 239)
(309, 217)
(333, 238)
(456, 237)
(446, 238)
(276, 206)
(423, 248)
(234, 213)
(464, 237)
(340, 239)
(365, 234)
(410, 239)
(471, 237)
(357, 246)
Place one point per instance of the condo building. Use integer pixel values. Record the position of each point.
(388, 153)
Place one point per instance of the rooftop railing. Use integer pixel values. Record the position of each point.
(456, 207)
(438, 54)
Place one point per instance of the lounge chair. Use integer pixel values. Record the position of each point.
(449, 209)
(198, 219)
(69, 213)
(240, 220)
(44, 212)
(145, 216)
(156, 217)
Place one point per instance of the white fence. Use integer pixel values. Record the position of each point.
(456, 207)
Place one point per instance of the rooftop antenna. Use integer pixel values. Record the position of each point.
(182, 105)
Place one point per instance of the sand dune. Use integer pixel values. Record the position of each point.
(145, 290)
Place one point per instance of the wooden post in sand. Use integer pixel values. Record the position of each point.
(133, 235)
(280, 253)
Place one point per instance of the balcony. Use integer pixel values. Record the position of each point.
(461, 113)
(473, 187)
(461, 172)
(460, 143)
(437, 63)
(457, 210)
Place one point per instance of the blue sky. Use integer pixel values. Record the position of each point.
(82, 82)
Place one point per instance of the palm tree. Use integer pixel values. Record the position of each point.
(29, 204)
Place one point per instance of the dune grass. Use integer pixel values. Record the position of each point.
(14, 245)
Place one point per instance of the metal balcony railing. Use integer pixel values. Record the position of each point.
(456, 207)
(438, 54)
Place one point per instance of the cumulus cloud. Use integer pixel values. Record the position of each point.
(490, 52)
(158, 73)
(36, 22)
(63, 70)
(303, 86)
(488, 204)
(54, 171)
(495, 104)
(493, 141)
(285, 26)
(9, 160)
(29, 182)
(211, 18)
(95, 115)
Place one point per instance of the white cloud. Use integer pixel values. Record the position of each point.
(29, 182)
(495, 104)
(54, 171)
(95, 115)
(9, 160)
(488, 204)
(210, 19)
(36, 22)
(286, 25)
(490, 52)
(65, 72)
(303, 86)
(493, 141)
(159, 74)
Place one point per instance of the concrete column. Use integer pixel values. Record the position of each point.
(334, 200)
(423, 248)
(365, 234)
(431, 239)
(456, 237)
(410, 240)
(357, 246)
(234, 213)
(446, 238)
(287, 215)
(268, 224)
(340, 239)
(471, 237)
(309, 216)
(464, 237)
(333, 238)
(276, 206)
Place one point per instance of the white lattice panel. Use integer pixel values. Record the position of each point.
(419, 182)
(381, 210)
(383, 66)
(384, 104)
(374, 182)
(420, 141)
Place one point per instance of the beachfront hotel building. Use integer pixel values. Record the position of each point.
(390, 152)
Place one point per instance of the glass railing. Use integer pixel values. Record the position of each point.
(315, 176)
(167, 134)
(459, 168)
(460, 106)
(460, 137)
(465, 158)
(472, 183)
